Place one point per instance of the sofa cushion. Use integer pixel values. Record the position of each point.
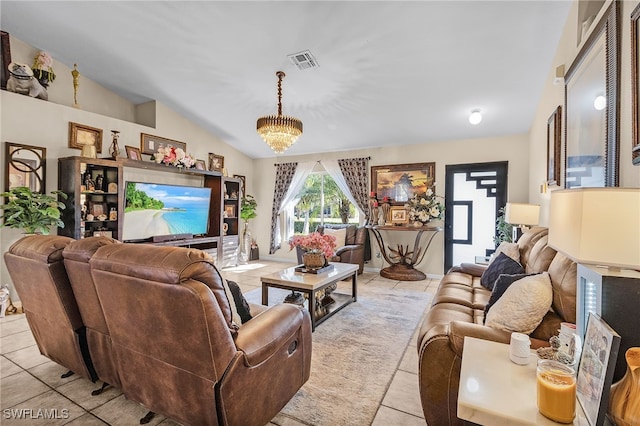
(240, 310)
(501, 285)
(523, 305)
(510, 249)
(502, 264)
(339, 234)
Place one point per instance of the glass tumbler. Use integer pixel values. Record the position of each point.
(556, 385)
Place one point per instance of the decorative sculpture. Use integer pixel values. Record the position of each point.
(21, 81)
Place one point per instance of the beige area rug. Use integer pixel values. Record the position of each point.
(355, 354)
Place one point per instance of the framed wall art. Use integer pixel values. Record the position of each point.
(635, 85)
(244, 183)
(554, 136)
(216, 162)
(597, 364)
(401, 182)
(5, 58)
(25, 166)
(591, 153)
(133, 153)
(150, 144)
(81, 135)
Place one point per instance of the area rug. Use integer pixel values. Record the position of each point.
(355, 354)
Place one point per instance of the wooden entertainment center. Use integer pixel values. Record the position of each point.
(96, 203)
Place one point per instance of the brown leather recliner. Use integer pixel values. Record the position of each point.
(178, 351)
(76, 260)
(36, 268)
(458, 311)
(354, 249)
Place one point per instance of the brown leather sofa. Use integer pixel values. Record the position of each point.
(354, 249)
(458, 310)
(36, 268)
(174, 346)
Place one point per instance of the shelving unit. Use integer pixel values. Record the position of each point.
(82, 200)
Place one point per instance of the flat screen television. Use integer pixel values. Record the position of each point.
(158, 210)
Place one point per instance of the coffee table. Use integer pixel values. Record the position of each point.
(310, 284)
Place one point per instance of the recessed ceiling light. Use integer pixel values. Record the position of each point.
(600, 102)
(475, 117)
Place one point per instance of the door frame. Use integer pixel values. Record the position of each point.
(501, 168)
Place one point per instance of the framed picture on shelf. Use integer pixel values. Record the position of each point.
(81, 135)
(230, 210)
(597, 364)
(398, 215)
(200, 165)
(97, 209)
(150, 144)
(216, 162)
(244, 183)
(133, 153)
(401, 182)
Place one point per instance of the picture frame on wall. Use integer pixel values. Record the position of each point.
(81, 135)
(597, 365)
(635, 85)
(244, 183)
(401, 182)
(5, 58)
(591, 150)
(216, 162)
(25, 166)
(554, 140)
(149, 144)
(133, 153)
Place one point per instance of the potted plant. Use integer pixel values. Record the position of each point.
(32, 211)
(248, 208)
(504, 231)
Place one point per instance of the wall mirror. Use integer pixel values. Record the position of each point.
(591, 153)
(26, 166)
(635, 85)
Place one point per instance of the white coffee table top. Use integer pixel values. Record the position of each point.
(495, 391)
(309, 281)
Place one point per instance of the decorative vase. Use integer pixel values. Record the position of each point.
(245, 243)
(313, 260)
(624, 399)
(417, 224)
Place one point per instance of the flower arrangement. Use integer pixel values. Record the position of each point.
(43, 68)
(314, 243)
(424, 207)
(175, 157)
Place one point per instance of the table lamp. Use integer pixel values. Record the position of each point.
(599, 229)
(521, 216)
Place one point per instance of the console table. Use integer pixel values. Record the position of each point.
(401, 261)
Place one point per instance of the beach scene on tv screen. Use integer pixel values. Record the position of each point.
(154, 209)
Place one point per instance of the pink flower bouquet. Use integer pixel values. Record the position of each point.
(315, 243)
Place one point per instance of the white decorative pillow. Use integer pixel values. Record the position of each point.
(340, 234)
(523, 305)
(510, 249)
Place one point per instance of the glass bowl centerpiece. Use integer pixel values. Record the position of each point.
(424, 207)
(316, 247)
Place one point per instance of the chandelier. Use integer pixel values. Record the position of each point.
(279, 131)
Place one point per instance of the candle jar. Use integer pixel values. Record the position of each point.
(556, 389)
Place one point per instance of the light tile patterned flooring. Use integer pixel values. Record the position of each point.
(30, 381)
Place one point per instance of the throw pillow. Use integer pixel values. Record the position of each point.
(502, 264)
(340, 234)
(500, 286)
(523, 305)
(510, 249)
(240, 311)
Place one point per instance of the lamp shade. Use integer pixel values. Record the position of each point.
(598, 226)
(522, 214)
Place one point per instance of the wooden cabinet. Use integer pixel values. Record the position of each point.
(78, 177)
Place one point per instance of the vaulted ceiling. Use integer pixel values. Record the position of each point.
(390, 72)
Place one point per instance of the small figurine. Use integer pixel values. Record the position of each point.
(99, 181)
(88, 183)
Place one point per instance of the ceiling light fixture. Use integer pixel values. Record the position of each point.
(475, 117)
(279, 131)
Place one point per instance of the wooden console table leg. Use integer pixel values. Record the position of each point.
(265, 294)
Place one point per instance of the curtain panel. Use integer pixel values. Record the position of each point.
(284, 176)
(356, 176)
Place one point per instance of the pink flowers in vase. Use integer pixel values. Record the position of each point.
(315, 243)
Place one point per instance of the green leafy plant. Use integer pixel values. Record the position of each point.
(248, 207)
(504, 231)
(32, 211)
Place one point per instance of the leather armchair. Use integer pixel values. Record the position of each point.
(36, 268)
(354, 249)
(178, 351)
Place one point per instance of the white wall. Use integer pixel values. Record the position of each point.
(553, 95)
(513, 149)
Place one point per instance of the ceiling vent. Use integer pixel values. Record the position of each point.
(304, 60)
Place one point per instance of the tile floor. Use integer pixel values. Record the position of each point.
(30, 381)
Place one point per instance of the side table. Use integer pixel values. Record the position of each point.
(495, 391)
